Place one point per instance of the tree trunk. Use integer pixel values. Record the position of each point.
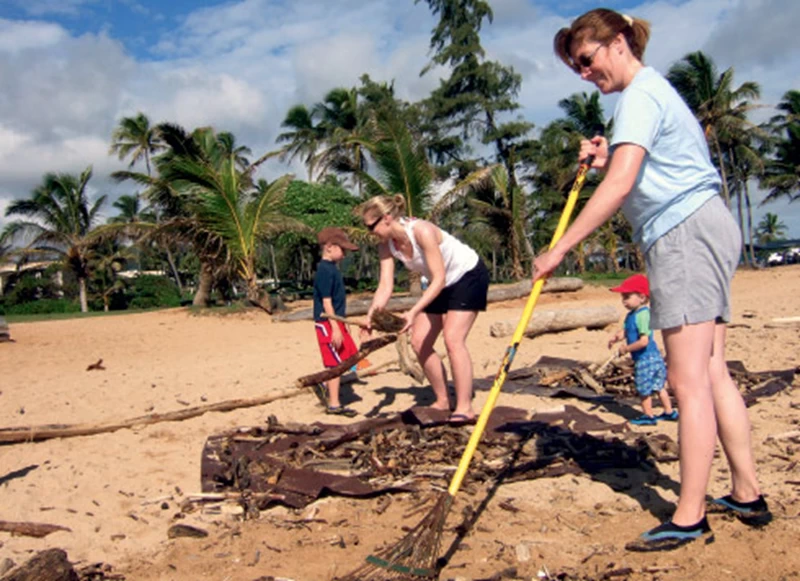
(203, 294)
(274, 262)
(82, 292)
(723, 174)
(740, 213)
(498, 293)
(560, 320)
(256, 297)
(174, 269)
(750, 232)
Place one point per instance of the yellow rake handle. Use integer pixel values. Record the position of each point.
(511, 351)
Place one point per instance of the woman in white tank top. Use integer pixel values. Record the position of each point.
(458, 283)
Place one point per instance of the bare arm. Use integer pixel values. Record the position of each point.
(640, 343)
(607, 199)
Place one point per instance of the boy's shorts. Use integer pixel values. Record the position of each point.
(650, 374)
(331, 357)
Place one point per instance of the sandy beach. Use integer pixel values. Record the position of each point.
(118, 493)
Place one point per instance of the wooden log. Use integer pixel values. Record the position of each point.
(554, 321)
(496, 294)
(48, 432)
(50, 565)
(366, 348)
(30, 529)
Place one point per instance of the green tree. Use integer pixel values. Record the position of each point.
(233, 214)
(134, 137)
(107, 259)
(315, 206)
(770, 229)
(61, 223)
(302, 138)
(402, 167)
(782, 173)
(476, 105)
(719, 107)
(585, 114)
(477, 99)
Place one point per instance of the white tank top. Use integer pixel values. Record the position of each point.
(458, 258)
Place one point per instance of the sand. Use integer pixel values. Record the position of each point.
(119, 492)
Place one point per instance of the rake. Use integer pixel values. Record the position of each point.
(415, 557)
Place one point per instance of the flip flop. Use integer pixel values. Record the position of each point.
(461, 420)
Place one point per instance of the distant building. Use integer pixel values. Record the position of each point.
(37, 268)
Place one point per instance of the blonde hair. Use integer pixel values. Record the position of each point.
(378, 206)
(602, 25)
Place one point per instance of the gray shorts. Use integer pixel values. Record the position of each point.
(690, 268)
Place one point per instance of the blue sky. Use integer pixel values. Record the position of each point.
(72, 68)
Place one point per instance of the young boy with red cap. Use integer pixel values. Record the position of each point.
(335, 342)
(650, 372)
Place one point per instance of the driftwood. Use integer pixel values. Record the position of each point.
(366, 348)
(47, 432)
(496, 294)
(50, 565)
(30, 529)
(560, 320)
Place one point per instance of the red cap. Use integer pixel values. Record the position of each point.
(332, 235)
(634, 284)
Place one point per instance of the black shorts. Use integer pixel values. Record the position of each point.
(467, 294)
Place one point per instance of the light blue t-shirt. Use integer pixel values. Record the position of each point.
(676, 176)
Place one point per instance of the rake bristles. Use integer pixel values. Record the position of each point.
(415, 557)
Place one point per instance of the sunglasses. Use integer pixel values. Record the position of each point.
(371, 227)
(585, 60)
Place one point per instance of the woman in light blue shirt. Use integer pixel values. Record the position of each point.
(658, 171)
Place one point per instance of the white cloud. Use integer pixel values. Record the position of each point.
(16, 36)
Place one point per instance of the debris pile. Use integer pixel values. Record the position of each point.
(294, 464)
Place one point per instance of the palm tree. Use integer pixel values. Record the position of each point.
(717, 105)
(770, 229)
(107, 259)
(403, 167)
(585, 114)
(62, 223)
(228, 147)
(135, 137)
(228, 214)
(341, 121)
(782, 174)
(130, 210)
(302, 139)
(504, 209)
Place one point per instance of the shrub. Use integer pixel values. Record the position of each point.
(151, 291)
(44, 307)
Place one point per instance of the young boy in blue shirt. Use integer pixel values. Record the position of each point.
(335, 342)
(650, 372)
